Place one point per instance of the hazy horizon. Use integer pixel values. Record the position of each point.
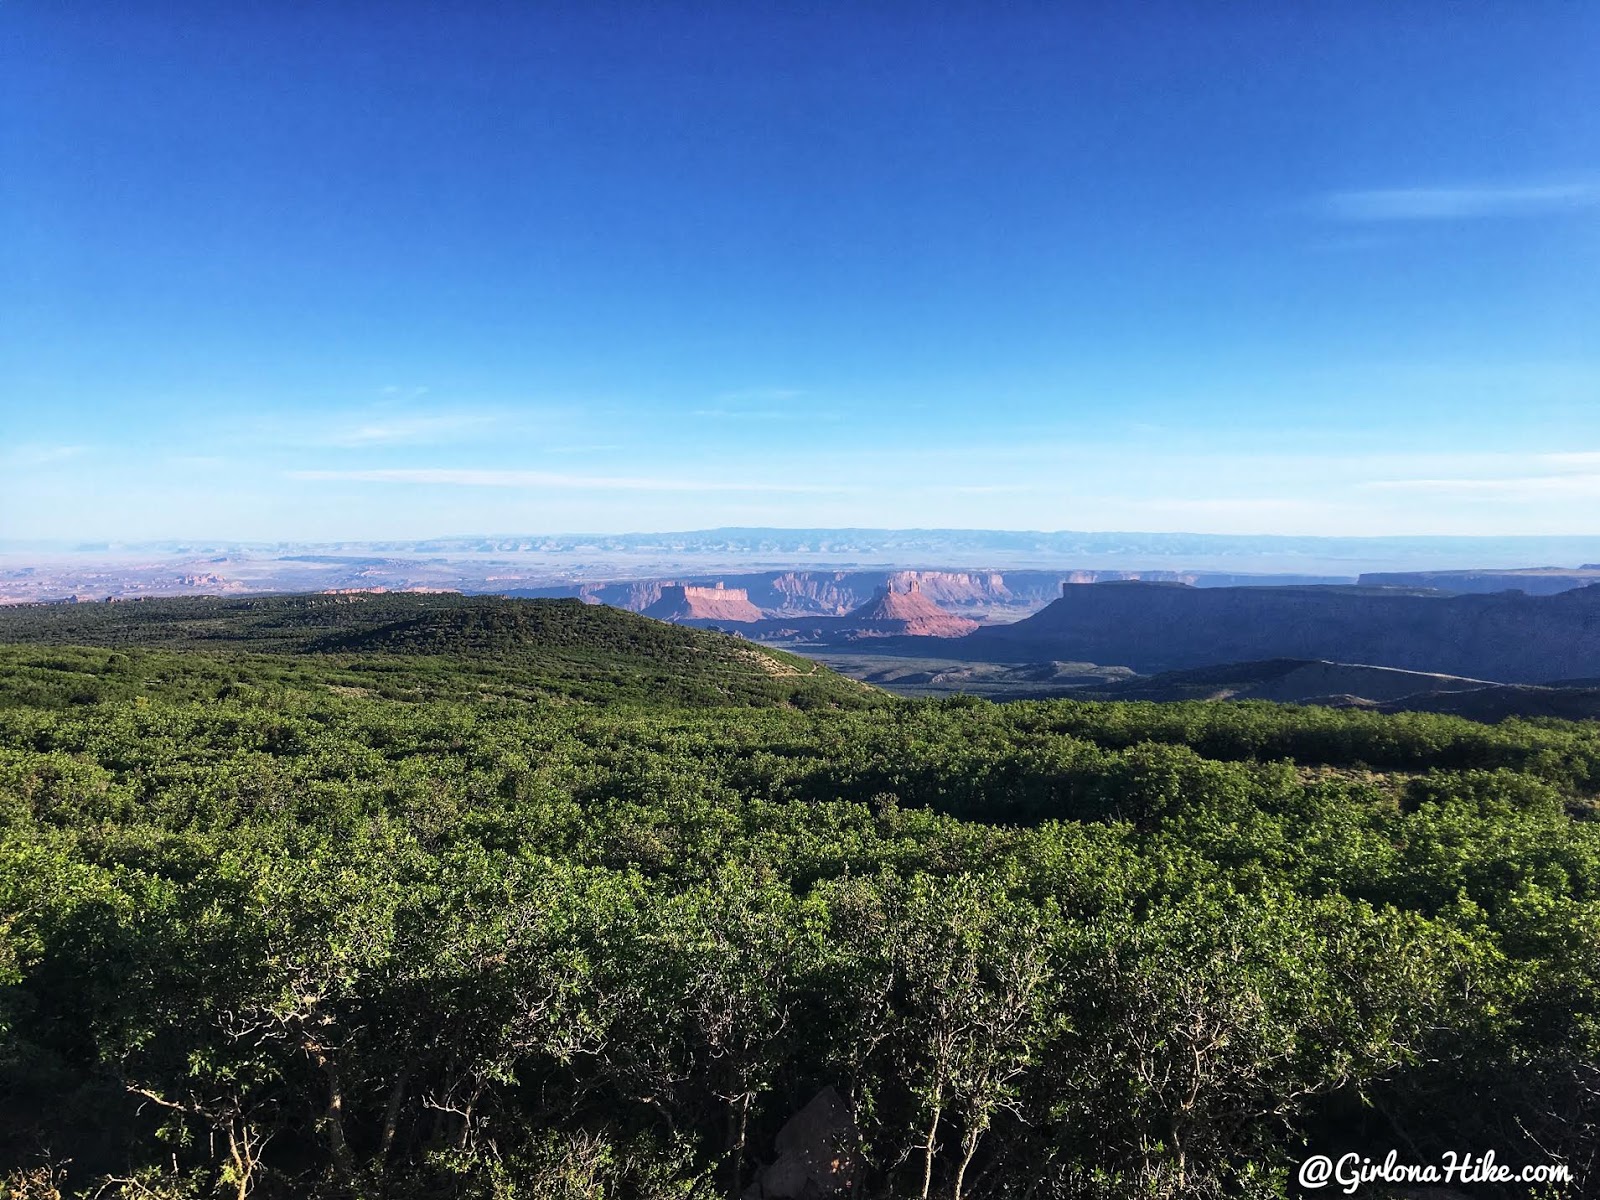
(343, 273)
(470, 560)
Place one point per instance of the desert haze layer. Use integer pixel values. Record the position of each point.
(573, 564)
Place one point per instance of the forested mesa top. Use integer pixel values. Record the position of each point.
(443, 622)
(433, 645)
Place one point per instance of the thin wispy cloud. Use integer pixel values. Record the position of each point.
(41, 456)
(759, 404)
(1551, 477)
(1229, 506)
(768, 395)
(1580, 460)
(1401, 470)
(762, 414)
(402, 430)
(473, 477)
(1531, 487)
(199, 462)
(368, 427)
(1462, 203)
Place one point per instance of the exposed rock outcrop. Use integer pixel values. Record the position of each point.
(816, 1151)
(906, 613)
(685, 602)
(985, 595)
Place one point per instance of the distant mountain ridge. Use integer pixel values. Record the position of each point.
(787, 572)
(915, 547)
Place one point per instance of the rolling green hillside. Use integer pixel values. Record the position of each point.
(425, 897)
(400, 646)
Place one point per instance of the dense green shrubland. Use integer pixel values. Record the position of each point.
(263, 935)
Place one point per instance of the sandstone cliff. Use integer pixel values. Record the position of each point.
(992, 595)
(904, 613)
(685, 602)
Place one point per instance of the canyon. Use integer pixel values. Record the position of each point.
(979, 595)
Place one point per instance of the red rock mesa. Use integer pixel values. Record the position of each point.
(905, 613)
(683, 602)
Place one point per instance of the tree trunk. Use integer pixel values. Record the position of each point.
(738, 1127)
(970, 1146)
(333, 1116)
(928, 1153)
(391, 1118)
(243, 1161)
(343, 1161)
(464, 1139)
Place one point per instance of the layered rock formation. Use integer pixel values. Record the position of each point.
(1509, 637)
(685, 602)
(906, 613)
(983, 595)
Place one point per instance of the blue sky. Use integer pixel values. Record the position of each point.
(384, 270)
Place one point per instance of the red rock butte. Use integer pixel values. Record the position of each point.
(684, 602)
(905, 613)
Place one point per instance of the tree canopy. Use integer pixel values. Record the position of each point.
(356, 921)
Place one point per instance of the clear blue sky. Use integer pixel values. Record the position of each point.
(358, 270)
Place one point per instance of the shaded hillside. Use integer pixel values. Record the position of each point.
(1507, 637)
(1504, 701)
(1288, 681)
(404, 647)
(1281, 681)
(1536, 581)
(1384, 689)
